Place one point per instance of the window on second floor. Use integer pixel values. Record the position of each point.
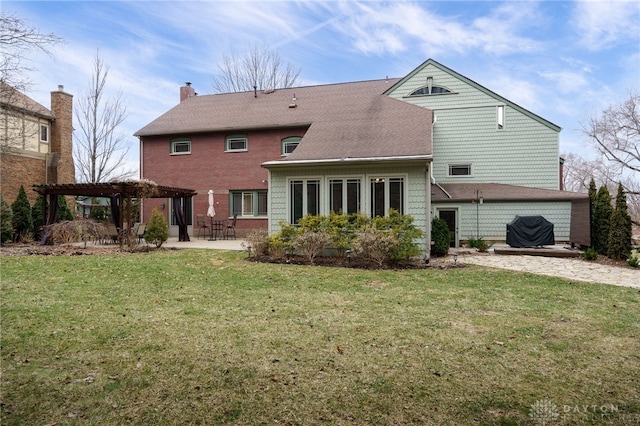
(236, 143)
(180, 146)
(289, 144)
(44, 133)
(459, 169)
(500, 117)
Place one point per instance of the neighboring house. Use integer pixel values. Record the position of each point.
(35, 142)
(426, 144)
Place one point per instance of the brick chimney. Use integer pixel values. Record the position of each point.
(187, 91)
(61, 145)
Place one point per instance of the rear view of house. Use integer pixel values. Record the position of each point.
(431, 144)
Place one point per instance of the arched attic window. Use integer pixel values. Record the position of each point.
(430, 89)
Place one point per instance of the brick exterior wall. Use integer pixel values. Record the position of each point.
(18, 170)
(208, 167)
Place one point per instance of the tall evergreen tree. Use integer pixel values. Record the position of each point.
(6, 224)
(36, 216)
(619, 244)
(593, 194)
(22, 223)
(601, 218)
(64, 212)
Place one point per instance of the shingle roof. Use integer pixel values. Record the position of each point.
(12, 98)
(346, 120)
(498, 192)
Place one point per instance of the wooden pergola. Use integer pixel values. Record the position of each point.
(118, 192)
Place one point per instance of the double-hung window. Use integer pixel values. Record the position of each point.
(236, 143)
(180, 146)
(345, 195)
(248, 203)
(304, 198)
(386, 193)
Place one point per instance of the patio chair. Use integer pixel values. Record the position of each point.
(142, 227)
(202, 225)
(231, 227)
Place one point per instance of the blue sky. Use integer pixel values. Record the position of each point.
(563, 60)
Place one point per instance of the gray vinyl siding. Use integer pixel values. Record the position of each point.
(415, 190)
(525, 152)
(494, 216)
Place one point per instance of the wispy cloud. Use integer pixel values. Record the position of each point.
(392, 28)
(603, 24)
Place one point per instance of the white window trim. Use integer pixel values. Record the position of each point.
(327, 196)
(46, 126)
(236, 137)
(368, 195)
(254, 195)
(284, 142)
(321, 199)
(179, 141)
(459, 164)
(501, 114)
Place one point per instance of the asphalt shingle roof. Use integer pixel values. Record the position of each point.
(498, 192)
(345, 120)
(12, 98)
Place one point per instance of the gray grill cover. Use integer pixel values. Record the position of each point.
(530, 231)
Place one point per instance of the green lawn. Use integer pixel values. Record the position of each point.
(205, 337)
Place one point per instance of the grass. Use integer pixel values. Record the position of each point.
(205, 337)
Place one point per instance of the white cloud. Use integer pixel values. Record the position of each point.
(378, 29)
(603, 24)
(566, 81)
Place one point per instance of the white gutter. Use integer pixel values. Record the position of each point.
(345, 160)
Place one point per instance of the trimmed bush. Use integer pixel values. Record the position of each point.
(311, 243)
(157, 231)
(634, 259)
(590, 254)
(440, 236)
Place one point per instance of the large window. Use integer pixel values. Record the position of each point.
(236, 143)
(289, 144)
(386, 193)
(459, 169)
(180, 146)
(304, 198)
(345, 195)
(248, 203)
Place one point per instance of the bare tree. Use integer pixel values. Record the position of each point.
(578, 172)
(616, 135)
(17, 41)
(100, 151)
(260, 68)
